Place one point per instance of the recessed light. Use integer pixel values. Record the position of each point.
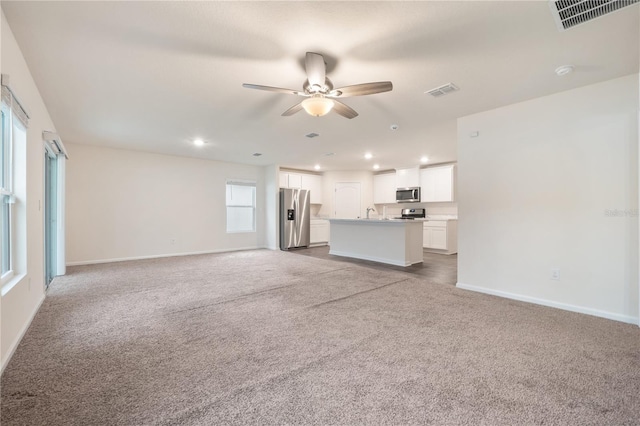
(198, 142)
(564, 70)
(257, 154)
(329, 154)
(368, 156)
(376, 166)
(394, 127)
(424, 159)
(317, 167)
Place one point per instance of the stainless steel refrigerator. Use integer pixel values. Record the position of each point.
(295, 218)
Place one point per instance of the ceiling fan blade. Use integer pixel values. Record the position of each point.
(292, 110)
(272, 89)
(362, 89)
(344, 110)
(316, 69)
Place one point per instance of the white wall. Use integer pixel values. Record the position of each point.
(534, 192)
(21, 302)
(127, 205)
(272, 206)
(329, 180)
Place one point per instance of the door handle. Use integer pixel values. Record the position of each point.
(295, 220)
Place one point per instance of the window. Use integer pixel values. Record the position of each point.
(6, 195)
(241, 206)
(13, 143)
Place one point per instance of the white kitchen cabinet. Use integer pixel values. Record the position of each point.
(303, 181)
(408, 178)
(295, 180)
(384, 188)
(284, 180)
(440, 236)
(438, 184)
(290, 180)
(319, 232)
(314, 184)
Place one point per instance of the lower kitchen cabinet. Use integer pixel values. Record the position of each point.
(319, 233)
(440, 236)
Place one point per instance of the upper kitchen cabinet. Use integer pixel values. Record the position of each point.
(303, 181)
(290, 180)
(314, 184)
(407, 178)
(438, 183)
(384, 188)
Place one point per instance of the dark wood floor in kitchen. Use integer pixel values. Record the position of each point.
(439, 268)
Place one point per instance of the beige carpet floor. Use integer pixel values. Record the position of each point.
(268, 337)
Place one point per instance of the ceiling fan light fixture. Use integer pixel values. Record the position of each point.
(317, 105)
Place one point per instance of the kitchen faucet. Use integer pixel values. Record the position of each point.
(370, 209)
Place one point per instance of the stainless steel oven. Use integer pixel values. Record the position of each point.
(408, 195)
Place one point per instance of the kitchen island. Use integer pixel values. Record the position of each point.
(394, 241)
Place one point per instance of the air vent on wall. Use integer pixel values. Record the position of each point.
(443, 90)
(569, 13)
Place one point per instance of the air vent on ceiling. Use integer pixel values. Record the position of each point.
(569, 13)
(443, 90)
(312, 135)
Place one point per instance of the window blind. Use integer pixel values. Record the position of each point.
(12, 101)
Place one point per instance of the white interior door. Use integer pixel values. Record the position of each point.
(347, 200)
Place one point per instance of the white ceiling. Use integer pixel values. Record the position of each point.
(153, 76)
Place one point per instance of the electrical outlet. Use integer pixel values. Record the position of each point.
(555, 274)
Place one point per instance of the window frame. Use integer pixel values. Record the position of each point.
(7, 196)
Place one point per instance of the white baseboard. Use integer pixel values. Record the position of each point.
(373, 258)
(157, 256)
(318, 244)
(438, 251)
(15, 344)
(559, 305)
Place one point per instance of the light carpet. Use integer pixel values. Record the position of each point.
(267, 337)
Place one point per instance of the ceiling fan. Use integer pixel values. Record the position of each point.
(319, 92)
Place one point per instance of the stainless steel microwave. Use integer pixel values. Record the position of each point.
(408, 195)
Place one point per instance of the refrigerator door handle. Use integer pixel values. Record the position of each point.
(296, 207)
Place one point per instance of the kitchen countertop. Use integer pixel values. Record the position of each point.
(441, 217)
(377, 221)
(392, 219)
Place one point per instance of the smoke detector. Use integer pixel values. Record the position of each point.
(564, 70)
